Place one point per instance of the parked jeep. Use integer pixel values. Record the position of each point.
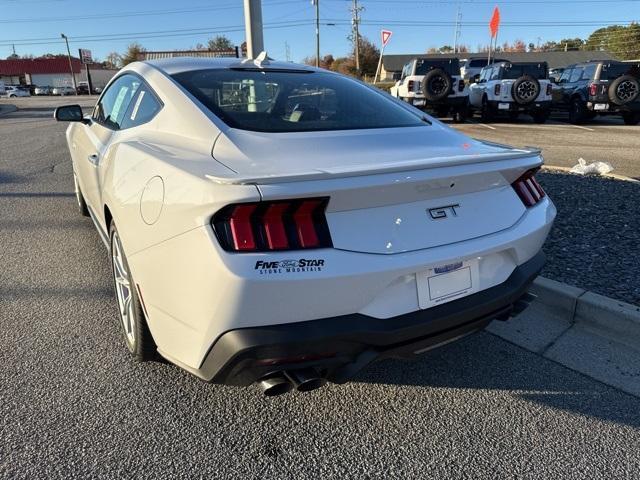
(435, 84)
(600, 88)
(512, 88)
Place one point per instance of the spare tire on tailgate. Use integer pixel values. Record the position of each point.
(624, 89)
(436, 85)
(525, 90)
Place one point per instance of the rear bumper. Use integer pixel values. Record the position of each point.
(340, 346)
(515, 107)
(604, 106)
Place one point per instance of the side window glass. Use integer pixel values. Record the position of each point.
(495, 73)
(575, 74)
(588, 72)
(111, 108)
(142, 108)
(566, 75)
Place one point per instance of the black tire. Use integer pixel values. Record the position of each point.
(82, 204)
(461, 114)
(436, 85)
(631, 118)
(142, 347)
(540, 116)
(442, 111)
(624, 89)
(577, 111)
(487, 114)
(525, 90)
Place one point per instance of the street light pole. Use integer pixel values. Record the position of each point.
(73, 75)
(253, 27)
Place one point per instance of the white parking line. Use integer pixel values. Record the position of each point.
(553, 122)
(482, 125)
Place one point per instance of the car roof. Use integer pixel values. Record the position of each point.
(175, 65)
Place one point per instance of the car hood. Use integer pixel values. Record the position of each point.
(258, 157)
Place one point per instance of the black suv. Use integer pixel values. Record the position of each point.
(600, 88)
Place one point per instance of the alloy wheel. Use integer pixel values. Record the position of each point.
(123, 289)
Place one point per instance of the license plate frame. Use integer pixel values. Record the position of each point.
(447, 282)
(503, 106)
(599, 107)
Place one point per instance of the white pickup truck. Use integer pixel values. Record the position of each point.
(513, 88)
(434, 84)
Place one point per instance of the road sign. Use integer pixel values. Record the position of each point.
(386, 35)
(85, 56)
(494, 24)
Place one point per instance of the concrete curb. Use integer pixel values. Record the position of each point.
(6, 108)
(586, 332)
(610, 318)
(615, 176)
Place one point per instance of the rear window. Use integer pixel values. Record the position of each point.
(511, 71)
(615, 70)
(277, 101)
(452, 67)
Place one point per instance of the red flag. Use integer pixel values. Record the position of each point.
(495, 22)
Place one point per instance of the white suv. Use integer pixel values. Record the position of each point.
(436, 84)
(512, 88)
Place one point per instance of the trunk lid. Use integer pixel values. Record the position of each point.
(264, 158)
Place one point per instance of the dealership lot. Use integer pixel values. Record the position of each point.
(74, 405)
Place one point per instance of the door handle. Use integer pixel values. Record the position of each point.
(93, 159)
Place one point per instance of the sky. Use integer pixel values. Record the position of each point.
(35, 25)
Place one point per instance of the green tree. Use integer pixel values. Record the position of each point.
(623, 42)
(134, 50)
(220, 42)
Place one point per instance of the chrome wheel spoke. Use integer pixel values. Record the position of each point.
(123, 289)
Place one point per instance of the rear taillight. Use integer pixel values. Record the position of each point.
(528, 189)
(460, 85)
(593, 89)
(549, 89)
(271, 226)
(496, 89)
(410, 85)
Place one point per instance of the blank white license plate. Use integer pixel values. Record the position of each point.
(444, 283)
(503, 106)
(601, 106)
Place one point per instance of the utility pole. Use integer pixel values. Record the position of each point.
(355, 10)
(287, 51)
(456, 36)
(317, 4)
(73, 75)
(253, 27)
(14, 49)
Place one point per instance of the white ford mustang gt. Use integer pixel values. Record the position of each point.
(276, 223)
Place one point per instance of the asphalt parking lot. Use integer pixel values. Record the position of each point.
(73, 405)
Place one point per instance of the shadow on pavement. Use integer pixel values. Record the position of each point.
(482, 362)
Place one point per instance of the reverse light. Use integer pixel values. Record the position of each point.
(528, 188)
(273, 226)
(496, 89)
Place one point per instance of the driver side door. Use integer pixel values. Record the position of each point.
(92, 141)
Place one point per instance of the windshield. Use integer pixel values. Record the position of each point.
(277, 101)
(615, 70)
(511, 72)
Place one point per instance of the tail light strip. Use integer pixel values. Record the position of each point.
(528, 189)
(270, 226)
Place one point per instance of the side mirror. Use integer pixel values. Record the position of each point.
(476, 78)
(69, 113)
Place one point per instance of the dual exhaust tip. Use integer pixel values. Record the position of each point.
(303, 380)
